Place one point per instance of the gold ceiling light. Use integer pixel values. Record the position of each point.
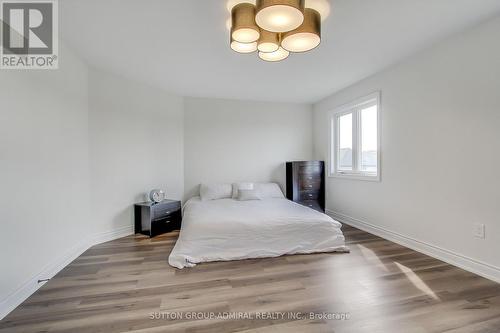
(307, 36)
(280, 54)
(321, 6)
(268, 41)
(231, 3)
(243, 47)
(275, 28)
(244, 29)
(279, 15)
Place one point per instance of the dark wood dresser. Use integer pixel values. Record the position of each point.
(305, 183)
(156, 218)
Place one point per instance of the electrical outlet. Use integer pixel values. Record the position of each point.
(479, 230)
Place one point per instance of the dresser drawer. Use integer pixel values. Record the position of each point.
(165, 225)
(306, 184)
(310, 177)
(311, 204)
(164, 211)
(301, 163)
(310, 169)
(308, 195)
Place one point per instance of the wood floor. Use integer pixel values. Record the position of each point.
(378, 287)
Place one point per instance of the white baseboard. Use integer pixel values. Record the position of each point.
(475, 266)
(112, 235)
(29, 287)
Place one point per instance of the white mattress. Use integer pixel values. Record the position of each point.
(228, 229)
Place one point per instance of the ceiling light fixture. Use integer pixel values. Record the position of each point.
(279, 15)
(307, 36)
(232, 3)
(268, 41)
(280, 54)
(276, 27)
(244, 29)
(243, 47)
(321, 6)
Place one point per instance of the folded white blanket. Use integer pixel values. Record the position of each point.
(228, 229)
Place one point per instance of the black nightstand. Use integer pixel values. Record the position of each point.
(156, 218)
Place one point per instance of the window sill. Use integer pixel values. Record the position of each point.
(352, 176)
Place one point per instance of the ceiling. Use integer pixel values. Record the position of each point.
(182, 46)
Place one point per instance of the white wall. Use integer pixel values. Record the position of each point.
(227, 141)
(44, 192)
(440, 147)
(77, 149)
(136, 144)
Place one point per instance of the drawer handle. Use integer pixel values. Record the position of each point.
(310, 185)
(310, 178)
(310, 195)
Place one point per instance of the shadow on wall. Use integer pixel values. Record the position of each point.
(123, 218)
(191, 192)
(142, 197)
(278, 175)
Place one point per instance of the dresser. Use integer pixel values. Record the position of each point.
(156, 218)
(305, 183)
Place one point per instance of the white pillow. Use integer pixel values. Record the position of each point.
(245, 195)
(241, 186)
(269, 190)
(215, 191)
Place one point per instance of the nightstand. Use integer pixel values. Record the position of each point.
(156, 218)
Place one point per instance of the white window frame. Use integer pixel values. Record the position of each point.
(354, 107)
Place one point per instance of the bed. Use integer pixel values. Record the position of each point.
(229, 229)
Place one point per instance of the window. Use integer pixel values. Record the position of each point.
(355, 140)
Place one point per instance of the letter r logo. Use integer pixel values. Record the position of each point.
(27, 27)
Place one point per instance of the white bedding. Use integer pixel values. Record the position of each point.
(228, 229)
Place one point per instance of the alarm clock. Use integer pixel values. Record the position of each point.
(157, 195)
